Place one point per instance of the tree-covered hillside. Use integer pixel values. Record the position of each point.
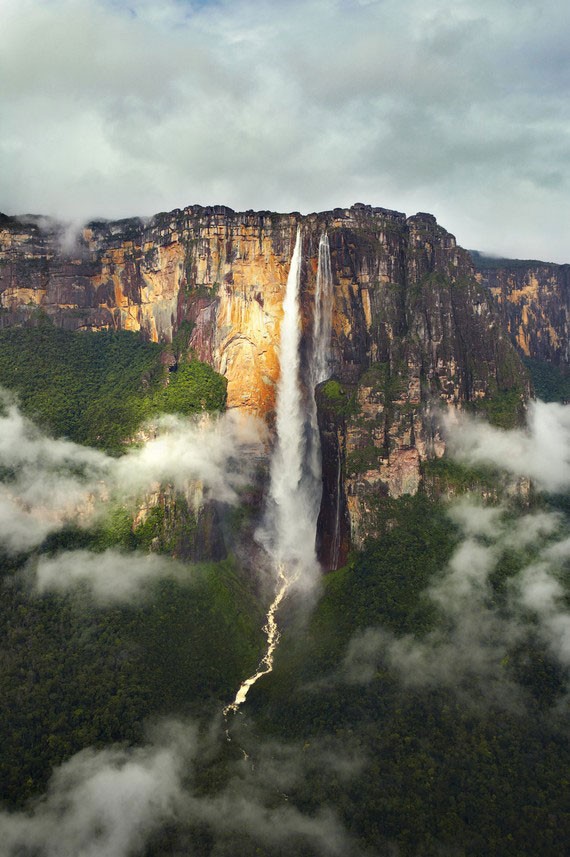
(72, 673)
(96, 388)
(418, 702)
(461, 736)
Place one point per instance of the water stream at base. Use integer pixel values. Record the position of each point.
(294, 492)
(271, 631)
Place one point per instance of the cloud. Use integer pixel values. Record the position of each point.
(215, 450)
(45, 483)
(284, 826)
(540, 452)
(542, 593)
(477, 630)
(104, 802)
(111, 576)
(111, 802)
(459, 110)
(480, 625)
(48, 482)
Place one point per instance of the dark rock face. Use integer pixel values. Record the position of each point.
(333, 525)
(181, 527)
(533, 299)
(414, 331)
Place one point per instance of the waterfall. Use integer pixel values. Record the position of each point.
(291, 515)
(335, 553)
(320, 365)
(289, 531)
(322, 325)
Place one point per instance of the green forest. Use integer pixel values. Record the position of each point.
(444, 771)
(407, 768)
(97, 388)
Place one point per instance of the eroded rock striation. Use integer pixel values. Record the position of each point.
(534, 303)
(413, 329)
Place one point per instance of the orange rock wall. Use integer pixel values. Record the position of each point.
(534, 302)
(411, 325)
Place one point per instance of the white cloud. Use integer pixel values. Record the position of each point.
(50, 482)
(104, 802)
(541, 592)
(212, 450)
(46, 482)
(477, 631)
(110, 802)
(460, 110)
(541, 451)
(111, 576)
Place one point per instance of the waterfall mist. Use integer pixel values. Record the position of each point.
(289, 531)
(322, 325)
(293, 499)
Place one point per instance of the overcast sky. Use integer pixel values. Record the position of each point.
(121, 107)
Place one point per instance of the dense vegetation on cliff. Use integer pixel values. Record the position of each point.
(449, 759)
(423, 724)
(73, 674)
(551, 384)
(427, 767)
(97, 388)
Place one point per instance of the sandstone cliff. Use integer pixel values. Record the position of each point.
(534, 303)
(413, 329)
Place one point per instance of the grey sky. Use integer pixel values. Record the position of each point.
(120, 107)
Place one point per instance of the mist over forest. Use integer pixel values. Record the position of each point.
(418, 697)
(284, 475)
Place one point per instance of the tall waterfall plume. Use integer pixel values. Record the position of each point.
(292, 505)
(289, 532)
(321, 370)
(322, 326)
(320, 363)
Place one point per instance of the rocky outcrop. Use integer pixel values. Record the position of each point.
(412, 329)
(533, 299)
(223, 272)
(430, 337)
(182, 524)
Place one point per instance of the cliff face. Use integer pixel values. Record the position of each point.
(413, 333)
(222, 271)
(533, 299)
(412, 327)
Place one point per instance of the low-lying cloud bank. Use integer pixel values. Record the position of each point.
(48, 482)
(504, 585)
(104, 802)
(478, 629)
(112, 802)
(112, 577)
(540, 452)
